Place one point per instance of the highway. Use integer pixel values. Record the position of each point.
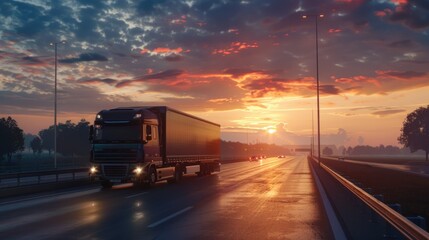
(267, 199)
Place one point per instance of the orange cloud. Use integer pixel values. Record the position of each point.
(335, 30)
(235, 48)
(163, 51)
(402, 75)
(358, 79)
(383, 82)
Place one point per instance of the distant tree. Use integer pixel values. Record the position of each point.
(36, 145)
(72, 139)
(415, 131)
(82, 145)
(47, 137)
(11, 137)
(66, 138)
(392, 150)
(327, 151)
(28, 137)
(349, 151)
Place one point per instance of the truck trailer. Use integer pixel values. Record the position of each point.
(147, 144)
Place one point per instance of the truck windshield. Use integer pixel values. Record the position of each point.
(117, 133)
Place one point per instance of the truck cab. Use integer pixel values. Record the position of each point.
(124, 141)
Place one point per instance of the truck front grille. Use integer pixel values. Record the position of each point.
(115, 155)
(117, 171)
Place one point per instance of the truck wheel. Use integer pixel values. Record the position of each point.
(178, 173)
(202, 171)
(106, 184)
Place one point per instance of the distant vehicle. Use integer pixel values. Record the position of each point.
(253, 158)
(281, 156)
(144, 145)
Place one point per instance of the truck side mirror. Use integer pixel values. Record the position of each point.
(148, 132)
(91, 133)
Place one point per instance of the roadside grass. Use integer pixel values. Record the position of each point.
(390, 159)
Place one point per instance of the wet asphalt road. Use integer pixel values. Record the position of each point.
(267, 199)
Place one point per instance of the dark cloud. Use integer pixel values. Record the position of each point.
(150, 7)
(167, 74)
(85, 57)
(81, 99)
(263, 87)
(221, 15)
(405, 74)
(171, 73)
(238, 72)
(402, 44)
(108, 81)
(32, 61)
(385, 113)
(173, 58)
(329, 89)
(414, 14)
(31, 19)
(87, 27)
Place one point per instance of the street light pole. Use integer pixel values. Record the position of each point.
(316, 21)
(55, 44)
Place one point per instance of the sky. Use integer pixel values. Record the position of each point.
(247, 65)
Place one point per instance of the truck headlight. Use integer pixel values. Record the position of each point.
(93, 170)
(138, 170)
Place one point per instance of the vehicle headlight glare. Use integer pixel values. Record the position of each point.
(93, 169)
(138, 170)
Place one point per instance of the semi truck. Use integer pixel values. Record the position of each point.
(144, 145)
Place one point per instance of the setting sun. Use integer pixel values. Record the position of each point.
(271, 131)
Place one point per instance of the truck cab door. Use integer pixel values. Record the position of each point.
(151, 140)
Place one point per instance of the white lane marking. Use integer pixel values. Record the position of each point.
(135, 195)
(337, 230)
(13, 205)
(170, 217)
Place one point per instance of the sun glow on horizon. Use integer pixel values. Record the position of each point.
(271, 131)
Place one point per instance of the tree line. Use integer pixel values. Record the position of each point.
(377, 150)
(72, 139)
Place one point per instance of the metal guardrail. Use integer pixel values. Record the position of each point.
(18, 177)
(401, 223)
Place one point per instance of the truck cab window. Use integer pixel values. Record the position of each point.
(147, 132)
(154, 132)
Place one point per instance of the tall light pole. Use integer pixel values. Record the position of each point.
(55, 44)
(316, 21)
(312, 133)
